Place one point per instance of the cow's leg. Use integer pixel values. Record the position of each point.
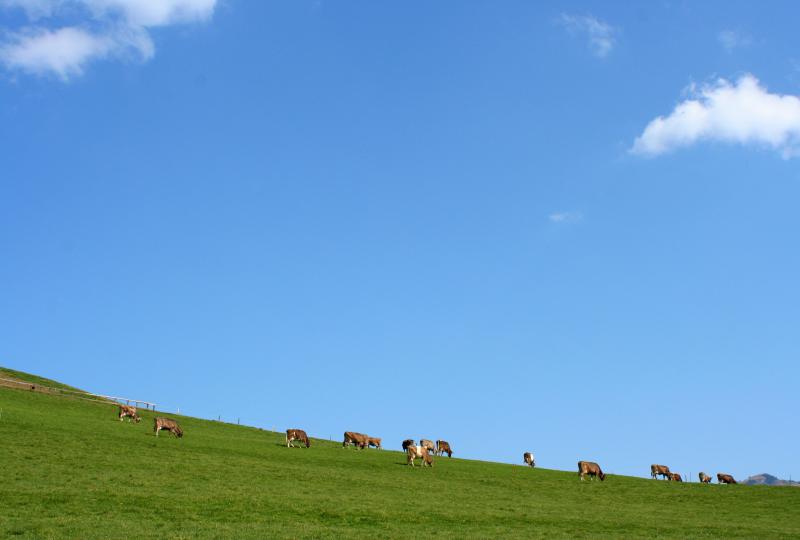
(157, 430)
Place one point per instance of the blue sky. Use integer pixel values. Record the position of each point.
(569, 228)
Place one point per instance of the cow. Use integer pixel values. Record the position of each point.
(421, 452)
(442, 448)
(407, 443)
(675, 477)
(663, 470)
(374, 441)
(704, 478)
(427, 444)
(725, 479)
(169, 424)
(130, 412)
(358, 439)
(592, 469)
(528, 459)
(296, 435)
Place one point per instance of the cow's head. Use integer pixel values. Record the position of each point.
(602, 476)
(308, 442)
(178, 432)
(137, 418)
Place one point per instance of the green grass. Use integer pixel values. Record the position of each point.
(69, 469)
(7, 373)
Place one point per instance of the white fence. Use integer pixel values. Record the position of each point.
(85, 395)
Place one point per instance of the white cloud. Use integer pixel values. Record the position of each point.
(565, 217)
(743, 112)
(600, 34)
(731, 39)
(106, 28)
(64, 51)
(155, 12)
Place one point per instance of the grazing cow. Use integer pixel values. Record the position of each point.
(358, 439)
(592, 469)
(169, 424)
(704, 478)
(527, 458)
(725, 479)
(419, 452)
(663, 470)
(428, 444)
(375, 441)
(407, 443)
(443, 447)
(130, 412)
(675, 477)
(296, 435)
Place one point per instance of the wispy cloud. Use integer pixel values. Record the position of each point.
(732, 39)
(601, 35)
(571, 216)
(743, 112)
(98, 29)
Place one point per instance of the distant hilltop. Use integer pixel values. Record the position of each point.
(765, 479)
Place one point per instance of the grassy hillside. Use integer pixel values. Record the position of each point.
(7, 373)
(71, 470)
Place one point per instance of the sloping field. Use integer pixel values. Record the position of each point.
(70, 469)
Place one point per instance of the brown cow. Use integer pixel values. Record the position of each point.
(375, 441)
(675, 477)
(296, 435)
(528, 459)
(704, 478)
(592, 469)
(419, 452)
(130, 412)
(725, 479)
(358, 439)
(428, 444)
(663, 470)
(169, 424)
(443, 447)
(407, 443)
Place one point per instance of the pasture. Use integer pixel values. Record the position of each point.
(70, 469)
